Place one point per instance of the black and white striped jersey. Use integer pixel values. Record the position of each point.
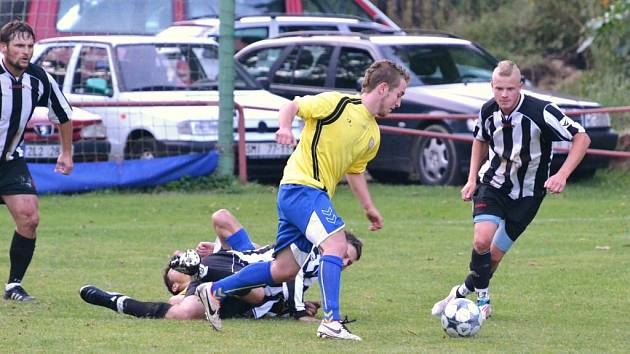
(280, 299)
(20, 96)
(520, 145)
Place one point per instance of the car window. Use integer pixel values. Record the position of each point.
(210, 8)
(351, 66)
(95, 16)
(259, 63)
(55, 61)
(93, 74)
(441, 64)
(306, 65)
(298, 28)
(246, 36)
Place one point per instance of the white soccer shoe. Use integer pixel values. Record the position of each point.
(439, 306)
(335, 330)
(210, 305)
(484, 307)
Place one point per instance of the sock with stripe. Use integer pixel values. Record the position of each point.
(330, 284)
(253, 276)
(239, 241)
(133, 307)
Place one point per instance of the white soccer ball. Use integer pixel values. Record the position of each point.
(461, 318)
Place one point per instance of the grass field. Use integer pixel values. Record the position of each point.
(562, 288)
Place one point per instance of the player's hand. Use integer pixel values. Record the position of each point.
(64, 165)
(556, 183)
(285, 137)
(205, 248)
(468, 190)
(375, 217)
(311, 308)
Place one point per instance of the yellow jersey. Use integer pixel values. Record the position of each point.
(340, 136)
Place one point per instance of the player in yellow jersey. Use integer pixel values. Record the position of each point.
(340, 137)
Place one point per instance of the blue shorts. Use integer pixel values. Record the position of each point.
(306, 217)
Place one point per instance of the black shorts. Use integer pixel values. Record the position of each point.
(517, 213)
(15, 178)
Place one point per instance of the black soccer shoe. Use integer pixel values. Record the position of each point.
(17, 293)
(95, 296)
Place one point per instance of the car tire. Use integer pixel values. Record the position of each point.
(143, 147)
(435, 159)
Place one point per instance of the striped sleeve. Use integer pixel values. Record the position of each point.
(478, 132)
(59, 110)
(561, 126)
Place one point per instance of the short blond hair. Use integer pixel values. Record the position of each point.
(506, 68)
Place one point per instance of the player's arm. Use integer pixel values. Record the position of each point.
(359, 187)
(287, 113)
(556, 183)
(65, 164)
(477, 155)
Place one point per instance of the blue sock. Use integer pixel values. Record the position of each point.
(253, 276)
(239, 241)
(330, 284)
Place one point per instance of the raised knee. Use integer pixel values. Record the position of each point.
(481, 245)
(27, 222)
(221, 217)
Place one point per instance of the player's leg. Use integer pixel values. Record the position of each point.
(124, 304)
(24, 210)
(231, 233)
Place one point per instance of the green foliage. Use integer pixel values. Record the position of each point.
(610, 34)
(565, 278)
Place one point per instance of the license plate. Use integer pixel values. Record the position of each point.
(41, 151)
(267, 150)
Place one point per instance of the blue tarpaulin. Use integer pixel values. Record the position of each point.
(89, 176)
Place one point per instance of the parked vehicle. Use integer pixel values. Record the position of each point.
(118, 70)
(249, 29)
(89, 137)
(448, 75)
(54, 18)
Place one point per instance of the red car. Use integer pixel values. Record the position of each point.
(89, 138)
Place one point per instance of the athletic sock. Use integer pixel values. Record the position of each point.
(20, 253)
(142, 309)
(239, 241)
(253, 276)
(480, 269)
(330, 284)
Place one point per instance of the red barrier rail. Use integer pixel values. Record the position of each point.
(242, 161)
(469, 139)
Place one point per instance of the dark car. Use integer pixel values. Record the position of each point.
(448, 75)
(89, 138)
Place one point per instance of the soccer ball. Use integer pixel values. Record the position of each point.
(461, 318)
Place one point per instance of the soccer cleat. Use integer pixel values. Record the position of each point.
(210, 305)
(17, 293)
(484, 307)
(335, 330)
(95, 296)
(438, 307)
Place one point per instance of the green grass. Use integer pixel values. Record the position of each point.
(562, 288)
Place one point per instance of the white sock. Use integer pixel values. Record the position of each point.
(482, 293)
(463, 290)
(10, 286)
(120, 303)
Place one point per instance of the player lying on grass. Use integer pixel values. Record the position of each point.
(213, 261)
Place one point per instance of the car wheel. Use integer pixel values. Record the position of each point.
(144, 147)
(435, 160)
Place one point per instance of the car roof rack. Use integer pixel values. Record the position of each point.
(430, 31)
(362, 35)
(277, 14)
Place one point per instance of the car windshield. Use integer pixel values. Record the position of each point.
(172, 66)
(442, 64)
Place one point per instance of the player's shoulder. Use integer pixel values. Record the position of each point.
(37, 72)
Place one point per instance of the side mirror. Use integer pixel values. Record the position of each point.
(97, 85)
(263, 82)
